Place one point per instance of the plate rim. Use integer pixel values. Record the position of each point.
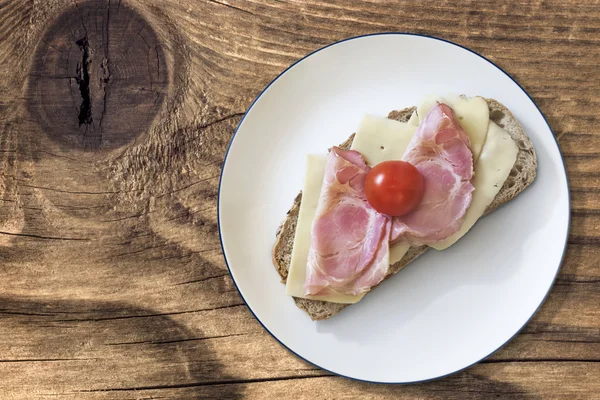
(394, 33)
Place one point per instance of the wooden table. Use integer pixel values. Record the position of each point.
(114, 121)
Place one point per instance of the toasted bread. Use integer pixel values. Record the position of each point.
(522, 175)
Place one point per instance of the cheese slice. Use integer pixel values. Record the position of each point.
(497, 158)
(472, 113)
(381, 139)
(315, 171)
(414, 119)
(397, 252)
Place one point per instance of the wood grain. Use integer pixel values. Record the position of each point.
(113, 283)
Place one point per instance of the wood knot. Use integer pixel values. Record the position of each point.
(98, 77)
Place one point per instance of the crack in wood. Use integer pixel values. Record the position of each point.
(33, 236)
(232, 7)
(142, 250)
(83, 80)
(105, 81)
(52, 46)
(187, 186)
(105, 69)
(178, 340)
(5, 312)
(55, 155)
(205, 251)
(53, 76)
(211, 383)
(590, 240)
(565, 340)
(584, 212)
(540, 360)
(203, 279)
(189, 214)
(128, 217)
(157, 62)
(66, 191)
(536, 329)
(81, 17)
(225, 118)
(573, 280)
(71, 207)
(151, 315)
(25, 360)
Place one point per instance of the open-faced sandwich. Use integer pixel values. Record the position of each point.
(417, 179)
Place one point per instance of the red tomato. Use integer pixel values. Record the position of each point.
(394, 187)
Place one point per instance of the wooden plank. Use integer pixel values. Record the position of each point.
(74, 349)
(114, 285)
(507, 381)
(525, 380)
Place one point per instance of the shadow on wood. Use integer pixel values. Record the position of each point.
(83, 347)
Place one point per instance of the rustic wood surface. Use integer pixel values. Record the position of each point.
(114, 121)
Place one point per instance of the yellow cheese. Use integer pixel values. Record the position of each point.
(315, 171)
(397, 251)
(497, 158)
(472, 113)
(414, 119)
(381, 139)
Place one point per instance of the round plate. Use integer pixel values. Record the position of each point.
(445, 311)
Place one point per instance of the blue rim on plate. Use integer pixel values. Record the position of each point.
(400, 34)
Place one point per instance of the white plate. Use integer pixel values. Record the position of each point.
(445, 311)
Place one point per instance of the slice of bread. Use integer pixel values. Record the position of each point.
(521, 176)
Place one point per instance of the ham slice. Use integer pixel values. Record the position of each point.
(349, 250)
(440, 150)
(350, 241)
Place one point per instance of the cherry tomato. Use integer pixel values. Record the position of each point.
(394, 188)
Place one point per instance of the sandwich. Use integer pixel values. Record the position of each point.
(418, 179)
